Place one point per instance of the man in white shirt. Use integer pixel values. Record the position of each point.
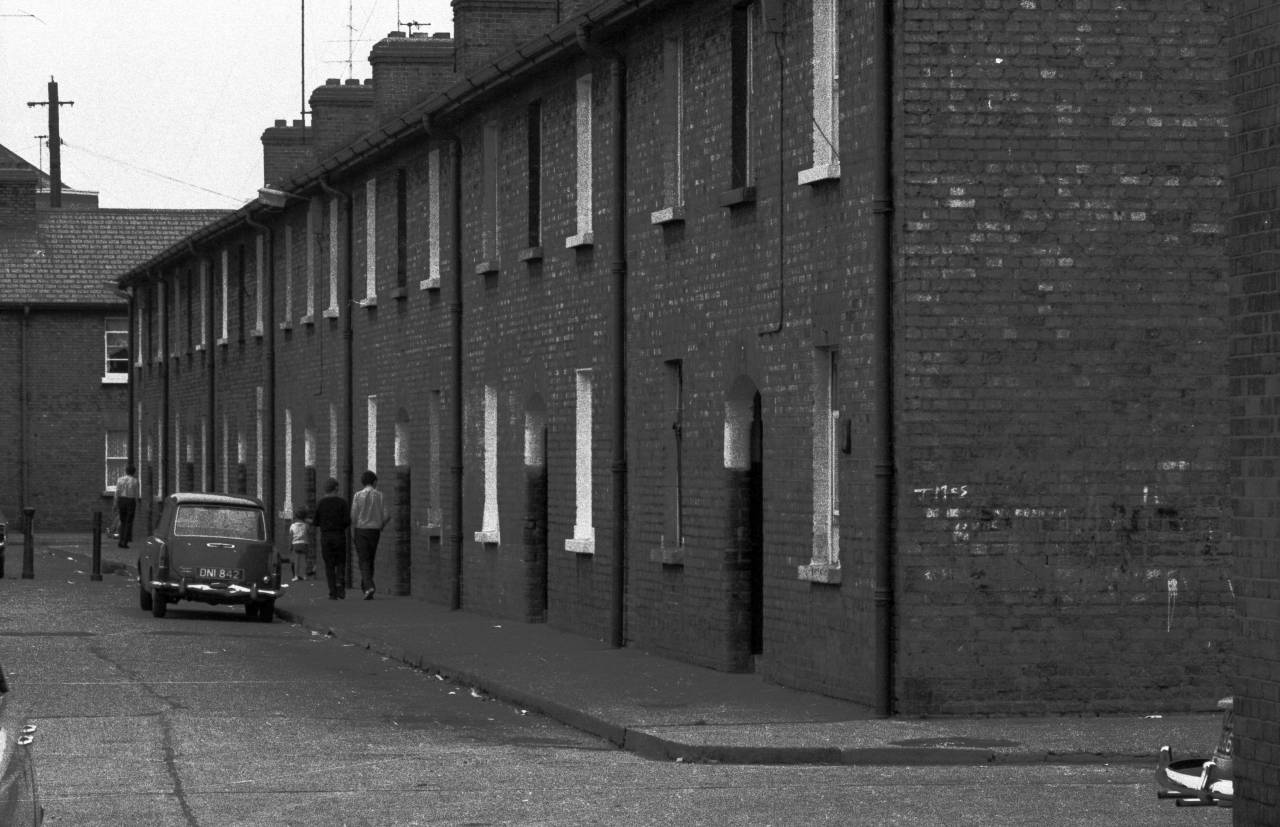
(368, 518)
(128, 491)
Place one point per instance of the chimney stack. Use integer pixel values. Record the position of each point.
(285, 150)
(340, 113)
(409, 69)
(484, 30)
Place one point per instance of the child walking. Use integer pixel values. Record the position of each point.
(300, 544)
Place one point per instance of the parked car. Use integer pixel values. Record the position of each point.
(19, 800)
(210, 548)
(1201, 782)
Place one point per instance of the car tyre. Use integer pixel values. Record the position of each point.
(158, 605)
(267, 611)
(144, 596)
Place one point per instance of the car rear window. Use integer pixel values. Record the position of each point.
(218, 521)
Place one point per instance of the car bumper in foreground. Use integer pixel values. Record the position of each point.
(216, 592)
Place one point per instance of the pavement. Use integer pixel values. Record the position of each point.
(666, 709)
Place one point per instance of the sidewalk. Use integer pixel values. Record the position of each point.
(669, 710)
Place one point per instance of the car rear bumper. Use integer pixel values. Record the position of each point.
(216, 592)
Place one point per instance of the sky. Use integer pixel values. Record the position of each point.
(171, 97)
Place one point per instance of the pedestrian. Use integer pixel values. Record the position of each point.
(300, 544)
(128, 491)
(332, 519)
(369, 517)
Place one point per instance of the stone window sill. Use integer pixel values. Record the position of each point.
(820, 573)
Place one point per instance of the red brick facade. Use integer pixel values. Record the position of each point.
(929, 418)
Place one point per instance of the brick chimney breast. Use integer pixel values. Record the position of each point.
(409, 69)
(484, 30)
(286, 150)
(340, 113)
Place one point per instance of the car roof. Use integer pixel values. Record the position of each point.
(213, 498)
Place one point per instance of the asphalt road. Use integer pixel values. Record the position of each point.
(206, 718)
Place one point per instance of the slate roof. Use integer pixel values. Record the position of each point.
(76, 256)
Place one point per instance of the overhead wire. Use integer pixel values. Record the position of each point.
(151, 172)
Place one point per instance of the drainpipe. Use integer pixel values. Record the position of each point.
(454, 539)
(24, 446)
(455, 327)
(268, 450)
(343, 200)
(882, 379)
(618, 324)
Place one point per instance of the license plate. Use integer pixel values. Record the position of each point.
(222, 574)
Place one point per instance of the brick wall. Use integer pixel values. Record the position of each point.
(1255, 175)
(1059, 393)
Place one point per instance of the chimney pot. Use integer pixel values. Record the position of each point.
(441, 35)
(332, 82)
(279, 122)
(396, 33)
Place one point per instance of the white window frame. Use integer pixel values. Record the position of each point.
(113, 473)
(161, 321)
(260, 261)
(826, 95)
(370, 243)
(287, 322)
(333, 311)
(432, 281)
(584, 532)
(286, 509)
(224, 289)
(371, 433)
(673, 114)
(203, 323)
(489, 529)
(121, 328)
(824, 566)
(314, 209)
(585, 163)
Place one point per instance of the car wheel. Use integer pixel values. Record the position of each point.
(251, 611)
(158, 605)
(267, 611)
(144, 596)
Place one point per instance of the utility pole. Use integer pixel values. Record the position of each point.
(55, 142)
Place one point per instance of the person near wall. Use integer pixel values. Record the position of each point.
(300, 544)
(128, 490)
(368, 516)
(331, 520)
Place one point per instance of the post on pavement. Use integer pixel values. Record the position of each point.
(28, 543)
(96, 572)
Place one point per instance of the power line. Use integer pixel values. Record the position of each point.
(153, 172)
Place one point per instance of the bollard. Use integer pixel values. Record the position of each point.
(28, 543)
(95, 573)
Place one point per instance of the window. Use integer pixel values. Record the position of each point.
(115, 350)
(490, 163)
(259, 407)
(139, 316)
(204, 306)
(286, 509)
(489, 532)
(432, 281)
(333, 441)
(533, 175)
(332, 311)
(314, 243)
(370, 243)
(435, 413)
(116, 458)
(287, 322)
(826, 108)
(825, 564)
(242, 287)
(582, 128)
(225, 293)
(672, 119)
(742, 95)
(371, 431)
(402, 229)
(673, 472)
(584, 533)
(162, 329)
(259, 272)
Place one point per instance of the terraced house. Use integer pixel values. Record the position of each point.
(64, 339)
(878, 347)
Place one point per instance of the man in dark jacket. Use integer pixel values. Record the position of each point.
(332, 518)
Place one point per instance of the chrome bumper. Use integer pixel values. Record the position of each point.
(233, 591)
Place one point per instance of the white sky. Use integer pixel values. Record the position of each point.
(171, 96)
